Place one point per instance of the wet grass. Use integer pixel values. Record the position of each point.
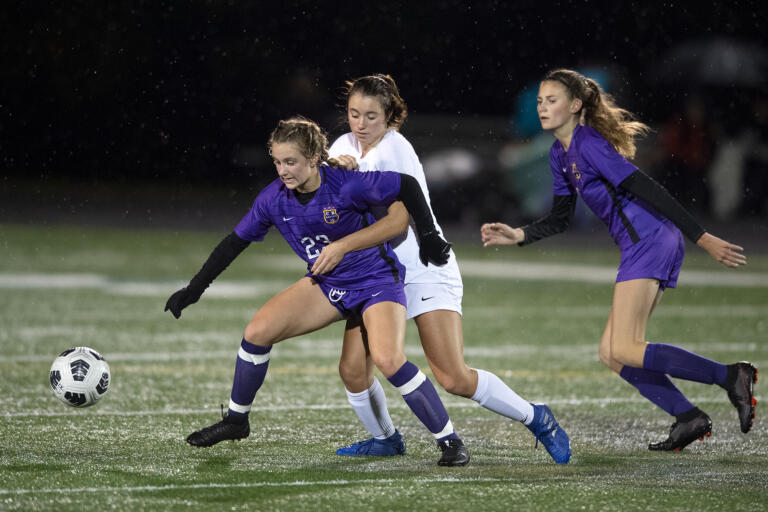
(169, 376)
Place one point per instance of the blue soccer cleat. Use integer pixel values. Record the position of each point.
(550, 434)
(393, 445)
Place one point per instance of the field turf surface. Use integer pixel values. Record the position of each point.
(533, 316)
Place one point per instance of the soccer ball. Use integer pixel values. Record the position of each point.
(79, 377)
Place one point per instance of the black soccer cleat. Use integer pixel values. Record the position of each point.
(454, 453)
(738, 384)
(224, 430)
(684, 431)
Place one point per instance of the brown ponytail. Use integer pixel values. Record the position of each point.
(599, 110)
(383, 88)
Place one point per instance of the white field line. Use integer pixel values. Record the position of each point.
(330, 347)
(79, 330)
(599, 274)
(248, 485)
(220, 289)
(602, 310)
(470, 268)
(464, 404)
(287, 349)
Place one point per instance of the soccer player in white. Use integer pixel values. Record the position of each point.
(375, 112)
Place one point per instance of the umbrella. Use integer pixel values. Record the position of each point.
(717, 61)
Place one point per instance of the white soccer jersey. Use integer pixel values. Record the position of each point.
(395, 153)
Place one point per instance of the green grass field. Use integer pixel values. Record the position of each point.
(64, 286)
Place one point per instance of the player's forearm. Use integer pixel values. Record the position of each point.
(558, 220)
(386, 228)
(413, 198)
(221, 256)
(646, 188)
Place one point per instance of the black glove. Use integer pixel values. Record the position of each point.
(433, 249)
(220, 258)
(181, 299)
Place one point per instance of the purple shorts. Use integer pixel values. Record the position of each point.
(658, 256)
(352, 303)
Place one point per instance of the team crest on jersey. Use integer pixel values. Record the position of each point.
(575, 171)
(330, 216)
(335, 295)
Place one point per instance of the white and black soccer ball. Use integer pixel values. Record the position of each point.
(80, 377)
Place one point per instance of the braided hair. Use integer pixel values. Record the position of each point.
(308, 137)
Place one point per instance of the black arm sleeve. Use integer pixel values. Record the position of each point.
(651, 192)
(558, 220)
(416, 204)
(224, 253)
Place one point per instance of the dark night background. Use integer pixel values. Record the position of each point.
(143, 107)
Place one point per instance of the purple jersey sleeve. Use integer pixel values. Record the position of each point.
(257, 221)
(373, 188)
(560, 184)
(601, 155)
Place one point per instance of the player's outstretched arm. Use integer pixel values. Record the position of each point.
(498, 233)
(728, 254)
(647, 189)
(386, 228)
(224, 253)
(556, 221)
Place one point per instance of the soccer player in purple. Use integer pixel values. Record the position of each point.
(314, 205)
(595, 139)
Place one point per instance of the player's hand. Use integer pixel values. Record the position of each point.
(728, 254)
(182, 299)
(347, 162)
(329, 257)
(498, 233)
(433, 249)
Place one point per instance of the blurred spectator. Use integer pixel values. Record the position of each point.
(726, 174)
(740, 169)
(527, 174)
(686, 142)
(756, 164)
(459, 181)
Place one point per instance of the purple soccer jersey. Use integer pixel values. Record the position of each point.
(592, 168)
(339, 207)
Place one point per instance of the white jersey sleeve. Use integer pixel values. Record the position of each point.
(395, 153)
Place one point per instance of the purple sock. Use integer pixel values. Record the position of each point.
(679, 363)
(250, 370)
(421, 396)
(657, 388)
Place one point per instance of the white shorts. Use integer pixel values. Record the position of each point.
(425, 297)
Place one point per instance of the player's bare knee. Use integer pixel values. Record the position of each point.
(459, 389)
(256, 333)
(388, 364)
(605, 355)
(628, 354)
(353, 376)
(623, 360)
(459, 385)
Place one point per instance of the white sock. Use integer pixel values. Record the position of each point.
(371, 407)
(496, 396)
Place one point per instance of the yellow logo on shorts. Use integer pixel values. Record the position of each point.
(330, 216)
